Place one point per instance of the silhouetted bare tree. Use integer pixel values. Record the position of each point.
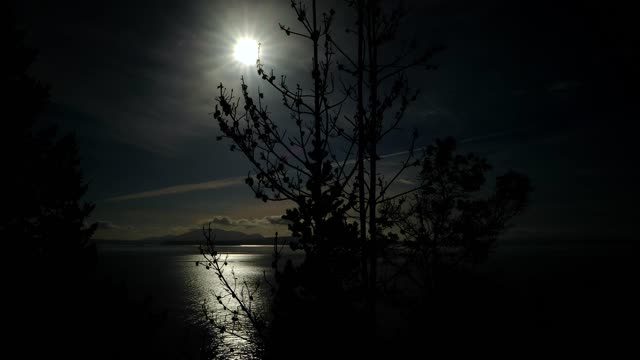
(298, 163)
(301, 162)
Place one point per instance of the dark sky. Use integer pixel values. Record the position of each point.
(548, 88)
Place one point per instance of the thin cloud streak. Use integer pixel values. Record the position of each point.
(223, 183)
(463, 141)
(178, 189)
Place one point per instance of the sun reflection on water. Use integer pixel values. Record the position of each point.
(170, 275)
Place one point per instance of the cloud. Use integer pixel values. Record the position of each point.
(405, 181)
(109, 225)
(221, 220)
(249, 223)
(277, 220)
(178, 189)
(563, 86)
(106, 225)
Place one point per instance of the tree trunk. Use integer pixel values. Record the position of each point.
(362, 146)
(316, 190)
(372, 140)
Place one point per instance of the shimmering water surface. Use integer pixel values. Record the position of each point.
(169, 275)
(549, 285)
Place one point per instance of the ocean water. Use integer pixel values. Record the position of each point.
(544, 287)
(168, 275)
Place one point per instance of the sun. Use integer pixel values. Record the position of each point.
(246, 51)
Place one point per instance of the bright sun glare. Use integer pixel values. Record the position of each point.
(246, 51)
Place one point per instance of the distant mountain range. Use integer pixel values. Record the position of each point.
(195, 237)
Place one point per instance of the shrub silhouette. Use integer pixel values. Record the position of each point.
(59, 306)
(42, 210)
(449, 222)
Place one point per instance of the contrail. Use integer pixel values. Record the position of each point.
(178, 189)
(463, 141)
(223, 183)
